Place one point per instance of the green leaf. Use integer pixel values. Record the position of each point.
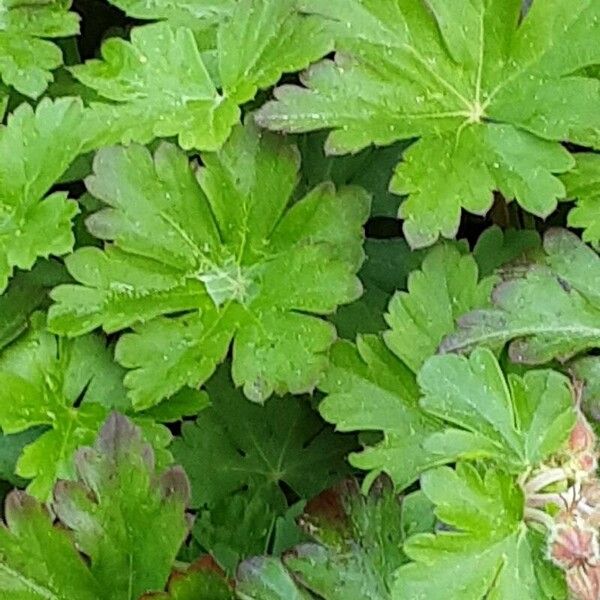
(234, 445)
(202, 581)
(488, 551)
(496, 247)
(27, 56)
(160, 84)
(11, 447)
(40, 561)
(226, 250)
(264, 39)
(36, 148)
(369, 389)
(26, 293)
(517, 422)
(67, 386)
(158, 87)
(586, 372)
(371, 168)
(488, 95)
(550, 310)
(583, 184)
(255, 514)
(387, 265)
(357, 548)
(202, 16)
(126, 519)
(129, 520)
(40, 382)
(446, 287)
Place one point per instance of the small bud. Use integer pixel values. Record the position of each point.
(574, 545)
(582, 438)
(584, 583)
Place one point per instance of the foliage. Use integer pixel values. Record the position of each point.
(488, 97)
(123, 516)
(232, 239)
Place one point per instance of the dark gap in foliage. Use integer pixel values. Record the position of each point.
(75, 189)
(97, 18)
(290, 495)
(175, 428)
(81, 396)
(574, 148)
(383, 227)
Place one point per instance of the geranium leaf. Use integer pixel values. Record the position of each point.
(236, 445)
(583, 184)
(225, 249)
(489, 96)
(369, 389)
(160, 84)
(120, 526)
(357, 548)
(547, 309)
(27, 54)
(132, 529)
(36, 148)
(67, 386)
(446, 286)
(518, 422)
(489, 552)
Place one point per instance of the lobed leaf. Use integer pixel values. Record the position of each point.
(549, 309)
(36, 148)
(488, 95)
(67, 387)
(160, 84)
(357, 548)
(27, 54)
(488, 551)
(228, 251)
(120, 526)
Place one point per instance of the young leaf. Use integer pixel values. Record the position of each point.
(488, 95)
(35, 150)
(550, 311)
(446, 287)
(202, 581)
(228, 252)
(160, 86)
(488, 552)
(388, 262)
(371, 169)
(357, 548)
(27, 56)
(235, 445)
(66, 386)
(201, 16)
(126, 518)
(496, 247)
(517, 422)
(255, 514)
(369, 389)
(583, 184)
(26, 293)
(40, 561)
